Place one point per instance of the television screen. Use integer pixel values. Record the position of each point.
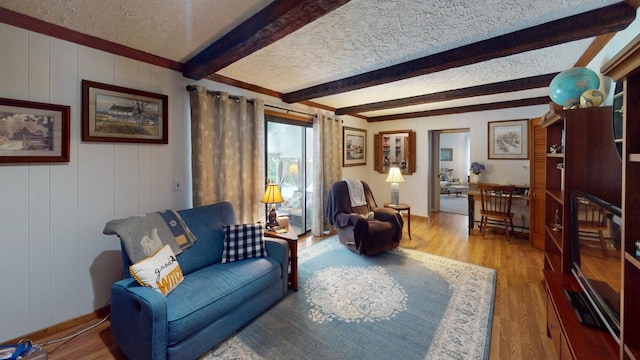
(596, 252)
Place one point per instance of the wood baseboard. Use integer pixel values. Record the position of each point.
(63, 326)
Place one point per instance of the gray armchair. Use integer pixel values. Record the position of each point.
(366, 235)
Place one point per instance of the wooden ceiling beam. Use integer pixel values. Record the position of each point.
(542, 100)
(594, 48)
(527, 83)
(589, 24)
(275, 21)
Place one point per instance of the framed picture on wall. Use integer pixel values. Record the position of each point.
(33, 132)
(446, 154)
(509, 139)
(116, 114)
(354, 146)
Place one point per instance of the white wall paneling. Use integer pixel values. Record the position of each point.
(14, 187)
(59, 264)
(64, 287)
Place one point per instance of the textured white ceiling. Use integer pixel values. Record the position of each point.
(365, 35)
(173, 29)
(360, 36)
(537, 62)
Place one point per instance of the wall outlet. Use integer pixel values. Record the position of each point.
(177, 184)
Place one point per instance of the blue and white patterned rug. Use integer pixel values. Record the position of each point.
(402, 304)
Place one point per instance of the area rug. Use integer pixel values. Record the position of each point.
(454, 204)
(402, 304)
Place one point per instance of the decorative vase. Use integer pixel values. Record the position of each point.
(566, 87)
(591, 98)
(475, 178)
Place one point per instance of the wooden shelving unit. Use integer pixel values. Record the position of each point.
(586, 159)
(625, 68)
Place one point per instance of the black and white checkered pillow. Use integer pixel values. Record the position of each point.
(243, 241)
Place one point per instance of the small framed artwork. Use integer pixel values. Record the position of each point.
(116, 114)
(446, 154)
(33, 132)
(509, 139)
(354, 146)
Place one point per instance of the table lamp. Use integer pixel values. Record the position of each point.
(272, 196)
(395, 177)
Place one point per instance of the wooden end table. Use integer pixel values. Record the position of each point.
(292, 240)
(402, 207)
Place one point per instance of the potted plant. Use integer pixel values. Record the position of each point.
(476, 169)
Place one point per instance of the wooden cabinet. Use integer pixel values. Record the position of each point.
(395, 148)
(555, 332)
(584, 158)
(625, 68)
(589, 166)
(572, 339)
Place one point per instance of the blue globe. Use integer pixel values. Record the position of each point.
(565, 88)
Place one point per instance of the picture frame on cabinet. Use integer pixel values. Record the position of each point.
(508, 139)
(113, 113)
(354, 146)
(34, 132)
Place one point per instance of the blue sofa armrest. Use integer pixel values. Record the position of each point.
(139, 320)
(278, 249)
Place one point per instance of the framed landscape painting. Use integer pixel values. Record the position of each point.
(509, 139)
(116, 114)
(33, 132)
(354, 147)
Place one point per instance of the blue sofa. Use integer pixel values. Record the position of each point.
(212, 302)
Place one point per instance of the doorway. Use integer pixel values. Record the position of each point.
(289, 151)
(449, 171)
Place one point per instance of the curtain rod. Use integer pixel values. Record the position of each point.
(191, 88)
(289, 110)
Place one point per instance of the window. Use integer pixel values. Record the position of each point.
(289, 153)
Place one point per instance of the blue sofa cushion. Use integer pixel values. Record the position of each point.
(206, 223)
(211, 292)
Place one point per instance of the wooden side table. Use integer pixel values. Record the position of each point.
(402, 207)
(292, 240)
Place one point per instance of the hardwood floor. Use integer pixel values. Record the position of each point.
(519, 317)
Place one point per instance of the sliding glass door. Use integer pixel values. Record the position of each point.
(289, 153)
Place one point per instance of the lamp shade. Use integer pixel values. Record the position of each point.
(272, 195)
(294, 169)
(395, 176)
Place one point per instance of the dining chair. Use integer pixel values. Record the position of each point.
(592, 219)
(496, 207)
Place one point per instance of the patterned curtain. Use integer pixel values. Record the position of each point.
(327, 167)
(227, 152)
